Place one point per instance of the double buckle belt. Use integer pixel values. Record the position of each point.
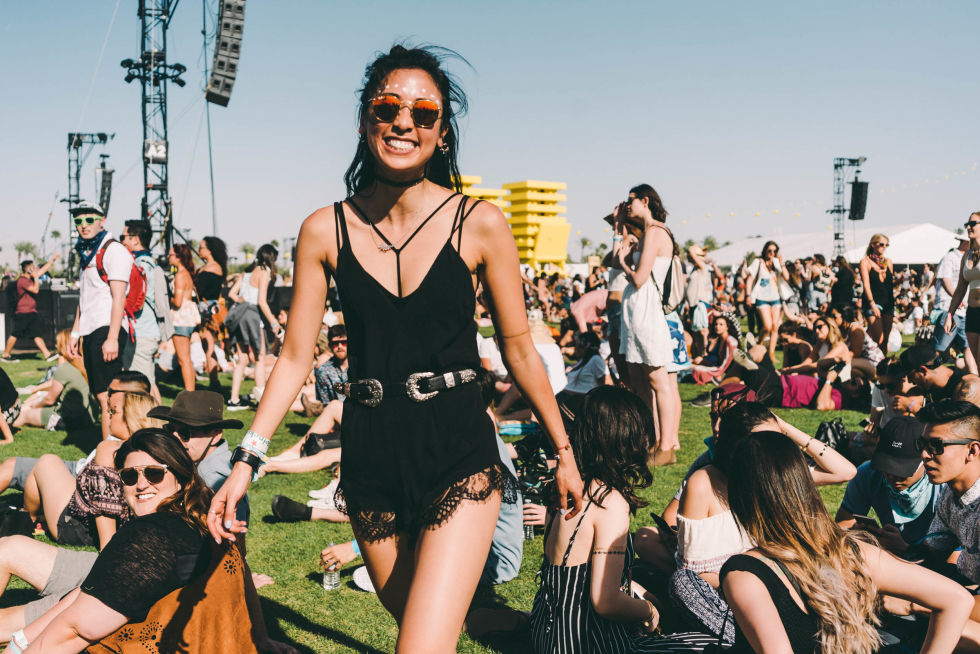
(420, 386)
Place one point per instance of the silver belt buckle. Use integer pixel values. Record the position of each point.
(412, 387)
(374, 387)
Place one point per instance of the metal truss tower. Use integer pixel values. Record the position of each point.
(841, 166)
(153, 72)
(79, 148)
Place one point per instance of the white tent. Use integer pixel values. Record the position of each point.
(914, 244)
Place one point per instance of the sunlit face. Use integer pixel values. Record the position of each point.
(636, 206)
(143, 497)
(821, 329)
(880, 246)
(401, 148)
(117, 423)
(338, 347)
(947, 466)
(85, 230)
(203, 251)
(721, 327)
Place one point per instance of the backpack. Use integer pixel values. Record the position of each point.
(136, 290)
(834, 435)
(672, 294)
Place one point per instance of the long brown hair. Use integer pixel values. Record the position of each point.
(191, 502)
(184, 255)
(773, 497)
(61, 345)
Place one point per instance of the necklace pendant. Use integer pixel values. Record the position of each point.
(384, 248)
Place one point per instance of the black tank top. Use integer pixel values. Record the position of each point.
(209, 285)
(882, 290)
(407, 465)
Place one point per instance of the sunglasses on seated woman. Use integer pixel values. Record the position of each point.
(385, 108)
(936, 446)
(153, 474)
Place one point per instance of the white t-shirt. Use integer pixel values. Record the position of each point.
(95, 299)
(949, 268)
(584, 378)
(488, 350)
(554, 365)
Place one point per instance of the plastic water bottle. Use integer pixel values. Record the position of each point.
(528, 529)
(331, 576)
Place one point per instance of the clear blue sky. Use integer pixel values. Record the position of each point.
(723, 107)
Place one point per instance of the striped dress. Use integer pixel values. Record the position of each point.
(563, 620)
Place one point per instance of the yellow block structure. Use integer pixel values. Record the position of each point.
(492, 195)
(536, 220)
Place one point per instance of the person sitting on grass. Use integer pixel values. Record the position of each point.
(9, 407)
(63, 402)
(167, 551)
(895, 485)
(16, 471)
(84, 509)
(707, 534)
(924, 368)
(581, 604)
(720, 347)
(829, 349)
(808, 585)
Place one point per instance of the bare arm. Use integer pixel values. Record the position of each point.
(961, 285)
(293, 364)
(950, 602)
(833, 468)
(609, 550)
(54, 391)
(182, 284)
(655, 243)
(84, 622)
(499, 268)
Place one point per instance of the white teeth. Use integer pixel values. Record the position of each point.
(397, 144)
(144, 496)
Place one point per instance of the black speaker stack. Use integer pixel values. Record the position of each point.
(227, 50)
(859, 200)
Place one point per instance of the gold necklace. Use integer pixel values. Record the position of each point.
(388, 245)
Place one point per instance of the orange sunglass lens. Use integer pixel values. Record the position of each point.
(385, 108)
(425, 113)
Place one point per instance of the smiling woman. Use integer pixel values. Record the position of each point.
(131, 594)
(407, 250)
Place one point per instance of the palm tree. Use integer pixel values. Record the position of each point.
(601, 249)
(25, 249)
(584, 242)
(248, 250)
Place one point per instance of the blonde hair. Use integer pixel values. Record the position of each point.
(774, 499)
(61, 345)
(135, 407)
(877, 238)
(833, 331)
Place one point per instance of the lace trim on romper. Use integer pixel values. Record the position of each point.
(379, 525)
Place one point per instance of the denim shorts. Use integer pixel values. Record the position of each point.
(184, 331)
(768, 303)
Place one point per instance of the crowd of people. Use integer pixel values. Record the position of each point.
(411, 403)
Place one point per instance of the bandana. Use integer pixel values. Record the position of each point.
(909, 504)
(86, 248)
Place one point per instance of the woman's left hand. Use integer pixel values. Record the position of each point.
(569, 482)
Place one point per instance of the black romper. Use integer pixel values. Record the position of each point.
(407, 465)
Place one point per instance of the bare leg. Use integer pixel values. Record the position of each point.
(874, 330)
(54, 487)
(29, 559)
(675, 397)
(448, 563)
(775, 314)
(6, 474)
(650, 548)
(39, 342)
(182, 345)
(29, 416)
(391, 566)
(659, 382)
(973, 351)
(261, 369)
(886, 329)
(239, 373)
(319, 461)
(11, 342)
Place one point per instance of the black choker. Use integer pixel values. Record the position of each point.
(406, 184)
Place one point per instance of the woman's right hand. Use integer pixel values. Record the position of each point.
(221, 516)
(875, 311)
(535, 514)
(948, 322)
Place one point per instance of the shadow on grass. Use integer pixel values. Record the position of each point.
(276, 614)
(298, 428)
(511, 641)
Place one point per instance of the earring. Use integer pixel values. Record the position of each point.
(362, 139)
(444, 149)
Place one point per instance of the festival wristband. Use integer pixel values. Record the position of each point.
(257, 445)
(76, 335)
(355, 547)
(18, 642)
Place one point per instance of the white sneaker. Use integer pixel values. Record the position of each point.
(327, 491)
(325, 503)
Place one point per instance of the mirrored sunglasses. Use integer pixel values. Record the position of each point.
(385, 108)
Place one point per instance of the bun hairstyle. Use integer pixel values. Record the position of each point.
(191, 502)
(442, 169)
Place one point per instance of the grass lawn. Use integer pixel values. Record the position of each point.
(296, 607)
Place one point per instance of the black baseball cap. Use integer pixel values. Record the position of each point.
(897, 453)
(923, 354)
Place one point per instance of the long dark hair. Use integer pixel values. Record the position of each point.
(185, 256)
(442, 169)
(653, 200)
(191, 502)
(612, 438)
(266, 258)
(736, 425)
(219, 252)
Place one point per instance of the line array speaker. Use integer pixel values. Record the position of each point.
(227, 50)
(859, 200)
